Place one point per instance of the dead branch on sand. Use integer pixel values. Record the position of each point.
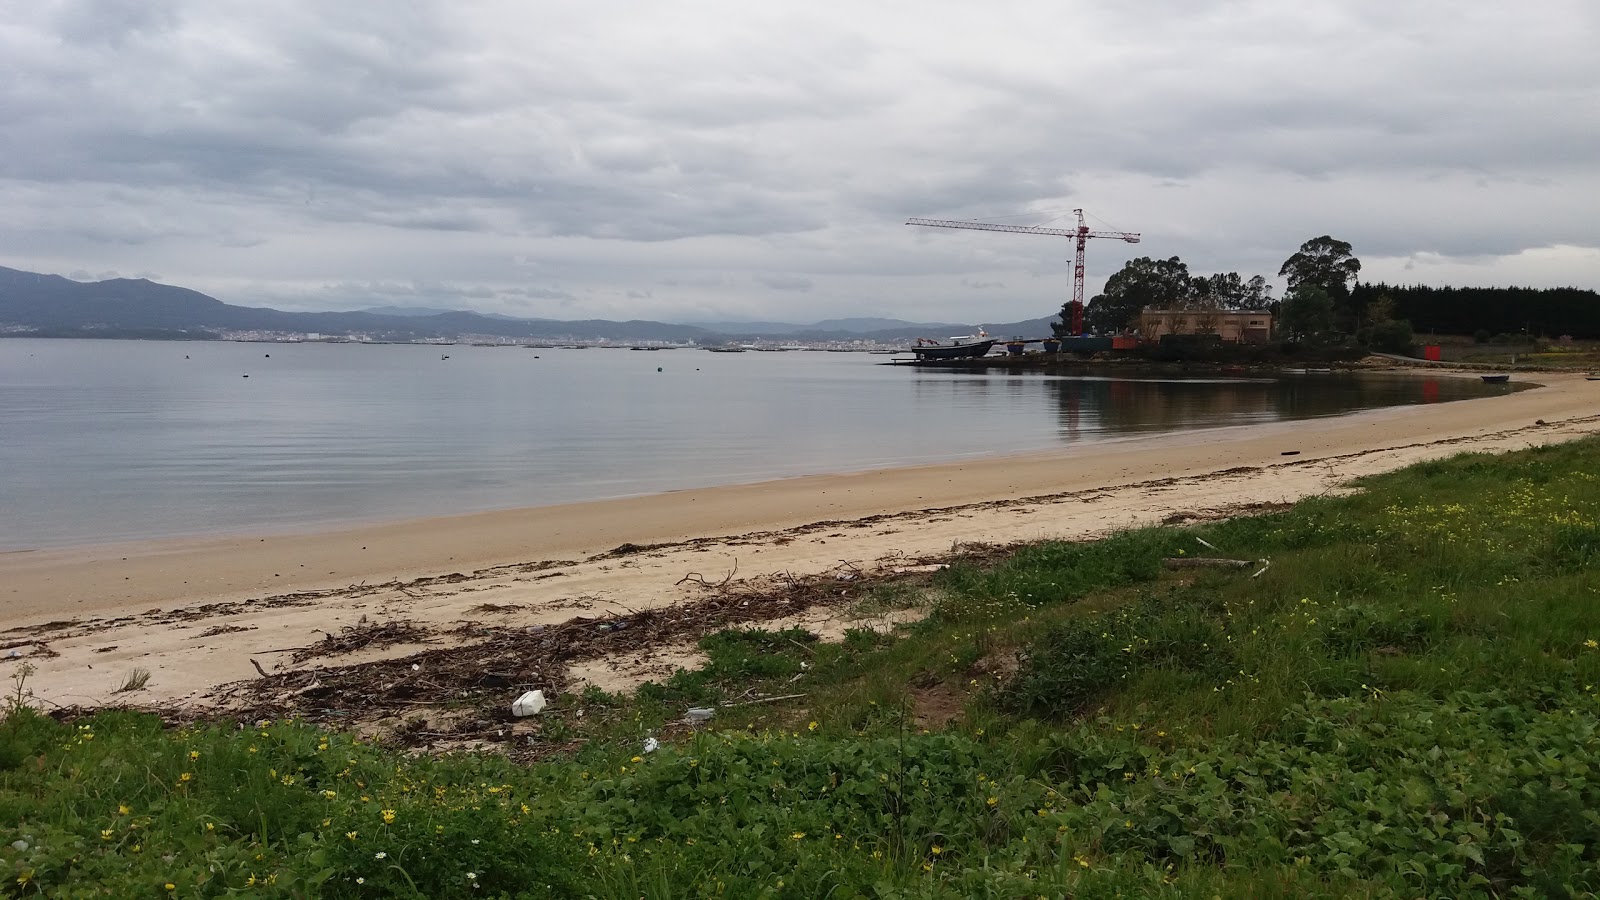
(699, 579)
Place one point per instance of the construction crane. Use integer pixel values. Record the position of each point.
(1081, 234)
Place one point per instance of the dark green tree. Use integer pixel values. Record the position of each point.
(1226, 290)
(1306, 312)
(1327, 263)
(1383, 331)
(1258, 293)
(1391, 336)
(1143, 282)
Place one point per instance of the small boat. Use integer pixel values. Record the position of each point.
(1495, 379)
(954, 351)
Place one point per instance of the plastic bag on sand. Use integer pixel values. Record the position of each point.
(528, 704)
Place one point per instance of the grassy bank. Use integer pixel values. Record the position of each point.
(1404, 703)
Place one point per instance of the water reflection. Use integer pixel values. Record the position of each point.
(1100, 407)
(1097, 407)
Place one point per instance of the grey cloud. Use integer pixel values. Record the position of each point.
(785, 282)
(669, 158)
(113, 21)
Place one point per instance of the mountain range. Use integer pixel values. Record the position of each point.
(35, 304)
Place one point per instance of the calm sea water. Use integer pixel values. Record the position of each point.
(115, 440)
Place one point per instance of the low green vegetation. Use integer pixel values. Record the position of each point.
(1402, 704)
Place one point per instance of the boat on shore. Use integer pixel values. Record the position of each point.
(1495, 379)
(954, 351)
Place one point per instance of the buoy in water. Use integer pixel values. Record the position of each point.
(658, 368)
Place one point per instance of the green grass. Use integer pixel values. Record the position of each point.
(1404, 704)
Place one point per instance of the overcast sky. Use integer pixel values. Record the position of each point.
(706, 160)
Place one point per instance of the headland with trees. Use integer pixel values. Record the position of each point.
(1327, 313)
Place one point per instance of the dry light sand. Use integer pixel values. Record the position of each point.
(195, 613)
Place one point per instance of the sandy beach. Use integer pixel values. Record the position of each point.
(201, 613)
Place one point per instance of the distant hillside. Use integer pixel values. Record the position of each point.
(55, 305)
(49, 305)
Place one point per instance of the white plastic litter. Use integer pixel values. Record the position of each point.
(528, 704)
(650, 745)
(700, 714)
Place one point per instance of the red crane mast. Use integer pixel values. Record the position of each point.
(1081, 235)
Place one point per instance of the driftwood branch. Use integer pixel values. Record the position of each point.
(1200, 562)
(699, 579)
(769, 699)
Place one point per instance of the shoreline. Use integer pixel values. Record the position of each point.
(82, 614)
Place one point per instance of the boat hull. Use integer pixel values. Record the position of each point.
(955, 351)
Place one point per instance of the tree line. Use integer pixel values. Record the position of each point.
(1325, 302)
(1480, 311)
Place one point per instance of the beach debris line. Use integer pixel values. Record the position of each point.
(35, 648)
(462, 688)
(362, 635)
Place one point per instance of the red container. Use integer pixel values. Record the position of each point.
(1431, 352)
(1125, 342)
